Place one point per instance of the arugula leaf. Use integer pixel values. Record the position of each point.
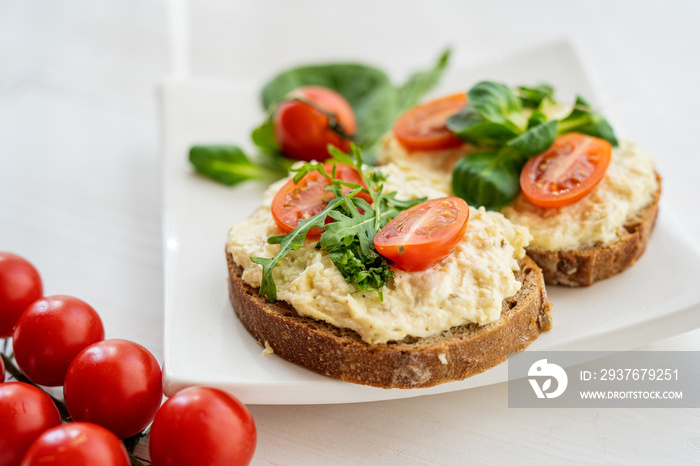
(349, 239)
(487, 179)
(289, 242)
(583, 119)
(349, 242)
(497, 103)
(229, 164)
(536, 97)
(535, 140)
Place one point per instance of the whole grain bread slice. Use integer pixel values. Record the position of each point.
(454, 354)
(585, 266)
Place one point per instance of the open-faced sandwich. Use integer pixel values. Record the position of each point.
(377, 277)
(589, 202)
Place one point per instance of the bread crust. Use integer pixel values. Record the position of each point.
(585, 266)
(454, 354)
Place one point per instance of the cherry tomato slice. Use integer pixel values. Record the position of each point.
(77, 444)
(20, 285)
(50, 333)
(304, 130)
(425, 234)
(425, 127)
(201, 425)
(25, 412)
(296, 202)
(567, 171)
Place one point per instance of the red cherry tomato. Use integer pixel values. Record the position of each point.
(425, 127)
(20, 285)
(425, 234)
(303, 131)
(296, 202)
(50, 333)
(200, 425)
(116, 384)
(25, 412)
(567, 171)
(77, 444)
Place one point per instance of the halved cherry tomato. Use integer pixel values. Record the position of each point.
(425, 127)
(303, 131)
(425, 234)
(567, 171)
(296, 202)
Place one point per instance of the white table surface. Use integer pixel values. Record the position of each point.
(80, 186)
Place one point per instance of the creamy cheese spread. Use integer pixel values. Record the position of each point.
(469, 286)
(431, 162)
(628, 186)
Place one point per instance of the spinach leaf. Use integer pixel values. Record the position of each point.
(264, 136)
(368, 90)
(535, 140)
(510, 127)
(497, 103)
(536, 97)
(536, 118)
(487, 179)
(469, 126)
(229, 164)
(421, 83)
(583, 119)
(374, 99)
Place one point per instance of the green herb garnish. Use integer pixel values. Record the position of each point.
(510, 127)
(374, 99)
(349, 239)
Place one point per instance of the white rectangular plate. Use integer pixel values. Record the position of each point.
(205, 344)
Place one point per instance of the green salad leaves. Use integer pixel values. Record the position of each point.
(509, 126)
(369, 91)
(349, 238)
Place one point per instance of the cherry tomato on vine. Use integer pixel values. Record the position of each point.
(200, 425)
(25, 412)
(424, 127)
(312, 118)
(50, 333)
(116, 384)
(20, 285)
(567, 171)
(77, 444)
(425, 234)
(296, 202)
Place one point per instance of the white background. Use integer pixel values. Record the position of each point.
(80, 189)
